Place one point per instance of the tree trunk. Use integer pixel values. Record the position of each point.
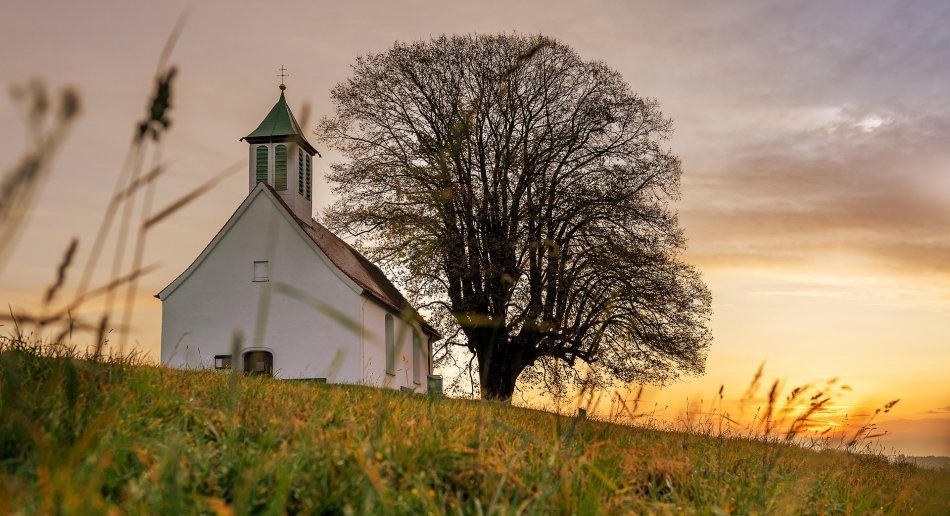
(499, 366)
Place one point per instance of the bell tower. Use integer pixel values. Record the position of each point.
(281, 156)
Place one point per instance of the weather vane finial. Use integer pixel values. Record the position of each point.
(283, 73)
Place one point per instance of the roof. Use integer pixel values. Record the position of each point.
(280, 125)
(360, 270)
(357, 267)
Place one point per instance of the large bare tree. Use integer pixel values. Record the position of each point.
(524, 193)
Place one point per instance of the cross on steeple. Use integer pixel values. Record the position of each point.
(283, 73)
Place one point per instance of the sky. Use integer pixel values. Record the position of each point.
(813, 135)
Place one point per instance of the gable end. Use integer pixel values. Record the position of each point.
(260, 189)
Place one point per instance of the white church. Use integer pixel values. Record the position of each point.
(276, 293)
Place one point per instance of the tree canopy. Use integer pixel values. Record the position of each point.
(523, 195)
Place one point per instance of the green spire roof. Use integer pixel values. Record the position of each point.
(279, 125)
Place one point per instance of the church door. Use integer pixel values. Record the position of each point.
(259, 363)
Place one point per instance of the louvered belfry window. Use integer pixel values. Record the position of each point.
(300, 171)
(308, 178)
(280, 167)
(261, 170)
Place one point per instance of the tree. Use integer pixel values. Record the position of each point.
(524, 193)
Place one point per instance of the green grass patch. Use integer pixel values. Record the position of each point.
(87, 436)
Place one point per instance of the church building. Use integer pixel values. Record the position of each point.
(276, 293)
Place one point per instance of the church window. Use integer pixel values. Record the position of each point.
(259, 363)
(280, 167)
(308, 178)
(300, 171)
(416, 358)
(222, 361)
(261, 169)
(261, 271)
(390, 345)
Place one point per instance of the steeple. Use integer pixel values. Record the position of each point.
(281, 156)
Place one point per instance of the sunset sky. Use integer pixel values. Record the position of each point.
(814, 136)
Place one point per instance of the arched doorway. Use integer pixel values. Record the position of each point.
(259, 363)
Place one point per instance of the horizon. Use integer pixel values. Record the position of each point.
(813, 140)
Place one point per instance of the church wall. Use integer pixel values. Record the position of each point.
(374, 350)
(220, 297)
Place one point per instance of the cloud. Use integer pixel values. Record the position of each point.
(809, 133)
(939, 410)
(868, 183)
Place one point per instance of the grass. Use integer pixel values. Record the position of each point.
(90, 436)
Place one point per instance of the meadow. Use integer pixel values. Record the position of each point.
(81, 434)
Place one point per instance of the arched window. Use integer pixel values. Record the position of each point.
(259, 363)
(417, 357)
(390, 345)
(300, 171)
(280, 167)
(261, 170)
(308, 178)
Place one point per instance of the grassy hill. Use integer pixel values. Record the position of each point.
(79, 436)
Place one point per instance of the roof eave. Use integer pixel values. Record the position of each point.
(295, 138)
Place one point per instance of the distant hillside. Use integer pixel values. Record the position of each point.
(929, 462)
(85, 437)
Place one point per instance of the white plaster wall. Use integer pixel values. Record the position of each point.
(200, 317)
(374, 350)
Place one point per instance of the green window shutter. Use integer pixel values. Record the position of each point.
(300, 171)
(280, 167)
(261, 170)
(308, 178)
